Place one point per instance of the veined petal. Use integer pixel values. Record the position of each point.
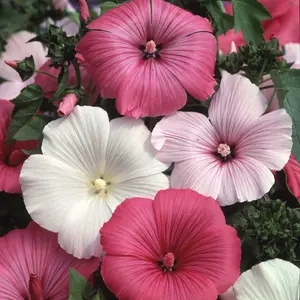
(242, 102)
(274, 279)
(9, 178)
(150, 90)
(129, 152)
(79, 140)
(184, 135)
(268, 140)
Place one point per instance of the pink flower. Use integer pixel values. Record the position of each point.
(60, 4)
(228, 156)
(292, 173)
(84, 11)
(67, 105)
(146, 56)
(173, 248)
(11, 156)
(284, 25)
(33, 266)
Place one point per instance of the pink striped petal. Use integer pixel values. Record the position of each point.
(150, 90)
(292, 173)
(242, 102)
(184, 135)
(268, 140)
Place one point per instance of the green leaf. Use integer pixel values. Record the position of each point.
(26, 106)
(26, 68)
(223, 21)
(63, 80)
(247, 17)
(78, 286)
(287, 85)
(106, 6)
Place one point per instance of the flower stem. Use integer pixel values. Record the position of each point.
(46, 73)
(266, 87)
(78, 74)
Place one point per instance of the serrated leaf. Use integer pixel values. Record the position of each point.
(63, 80)
(78, 285)
(287, 85)
(106, 6)
(247, 17)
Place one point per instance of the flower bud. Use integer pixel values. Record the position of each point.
(84, 11)
(12, 63)
(67, 105)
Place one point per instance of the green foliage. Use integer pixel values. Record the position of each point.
(268, 229)
(26, 68)
(78, 286)
(107, 5)
(247, 18)
(287, 85)
(63, 79)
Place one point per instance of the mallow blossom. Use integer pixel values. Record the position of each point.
(229, 155)
(17, 48)
(88, 167)
(33, 266)
(274, 279)
(147, 54)
(11, 156)
(174, 247)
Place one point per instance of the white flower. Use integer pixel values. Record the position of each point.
(274, 279)
(89, 166)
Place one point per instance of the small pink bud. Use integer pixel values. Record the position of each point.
(232, 48)
(67, 104)
(84, 11)
(12, 63)
(35, 288)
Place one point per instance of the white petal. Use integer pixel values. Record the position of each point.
(202, 174)
(11, 89)
(79, 140)
(69, 27)
(183, 135)
(129, 151)
(235, 106)
(146, 186)
(270, 280)
(292, 53)
(17, 48)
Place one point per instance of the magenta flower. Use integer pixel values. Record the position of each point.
(230, 155)
(147, 53)
(33, 266)
(173, 248)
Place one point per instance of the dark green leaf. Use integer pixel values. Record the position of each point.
(31, 93)
(287, 85)
(247, 17)
(106, 6)
(63, 80)
(26, 68)
(78, 286)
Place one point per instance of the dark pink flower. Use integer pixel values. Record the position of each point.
(146, 56)
(84, 11)
(11, 156)
(34, 267)
(173, 248)
(284, 25)
(292, 173)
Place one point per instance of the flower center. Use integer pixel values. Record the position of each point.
(100, 184)
(224, 150)
(150, 50)
(168, 262)
(35, 288)
(150, 47)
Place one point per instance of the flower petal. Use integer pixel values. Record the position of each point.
(183, 135)
(292, 173)
(11, 89)
(274, 279)
(129, 152)
(242, 102)
(268, 140)
(150, 90)
(79, 140)
(244, 179)
(193, 228)
(203, 174)
(9, 178)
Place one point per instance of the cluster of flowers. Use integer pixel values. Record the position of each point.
(98, 191)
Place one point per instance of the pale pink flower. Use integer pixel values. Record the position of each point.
(67, 104)
(17, 48)
(84, 11)
(33, 266)
(284, 25)
(60, 4)
(146, 56)
(175, 247)
(229, 155)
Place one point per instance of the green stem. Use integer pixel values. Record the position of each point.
(46, 73)
(271, 101)
(266, 87)
(78, 74)
(260, 75)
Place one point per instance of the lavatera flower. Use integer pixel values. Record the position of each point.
(89, 166)
(229, 155)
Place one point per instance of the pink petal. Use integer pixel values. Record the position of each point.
(242, 102)
(67, 105)
(120, 239)
(203, 174)
(10, 178)
(268, 140)
(292, 173)
(184, 135)
(193, 227)
(140, 279)
(11, 89)
(150, 90)
(244, 179)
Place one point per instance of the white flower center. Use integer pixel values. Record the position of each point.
(100, 185)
